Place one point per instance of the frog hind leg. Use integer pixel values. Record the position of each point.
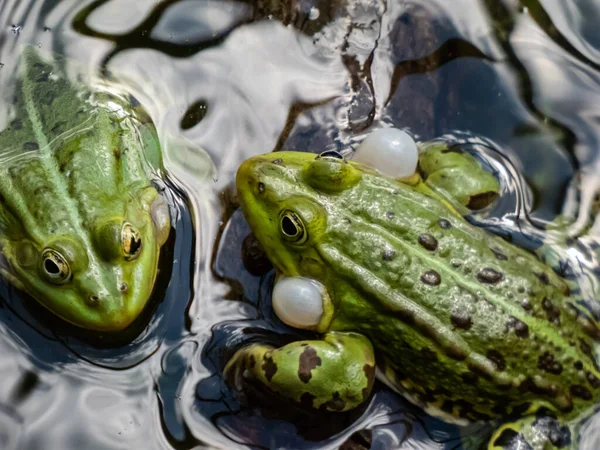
(456, 176)
(534, 433)
(335, 373)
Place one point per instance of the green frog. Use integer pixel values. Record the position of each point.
(460, 322)
(81, 224)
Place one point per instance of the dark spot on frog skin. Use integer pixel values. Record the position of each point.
(593, 380)
(428, 354)
(489, 275)
(499, 255)
(520, 289)
(370, 374)
(388, 254)
(521, 328)
(589, 327)
(587, 350)
(445, 224)
(307, 362)
(469, 378)
(448, 406)
(539, 388)
(390, 214)
(306, 399)
(476, 416)
(580, 391)
(431, 277)
(509, 439)
(461, 319)
(526, 305)
(31, 146)
(426, 398)
(269, 367)
(428, 242)
(261, 188)
(547, 363)
(521, 409)
(578, 365)
(543, 277)
(496, 357)
(336, 403)
(552, 311)
(278, 162)
(16, 124)
(252, 362)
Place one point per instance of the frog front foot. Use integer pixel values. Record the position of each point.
(334, 374)
(456, 176)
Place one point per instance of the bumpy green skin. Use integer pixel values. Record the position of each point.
(336, 373)
(466, 325)
(72, 172)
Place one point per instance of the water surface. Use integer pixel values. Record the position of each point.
(224, 80)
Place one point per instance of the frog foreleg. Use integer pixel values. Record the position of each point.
(534, 433)
(457, 176)
(335, 373)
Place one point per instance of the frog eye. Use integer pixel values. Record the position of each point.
(55, 267)
(330, 154)
(131, 241)
(291, 227)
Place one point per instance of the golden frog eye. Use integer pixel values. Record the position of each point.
(291, 227)
(55, 267)
(131, 241)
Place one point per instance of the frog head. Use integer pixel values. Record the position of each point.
(102, 278)
(287, 198)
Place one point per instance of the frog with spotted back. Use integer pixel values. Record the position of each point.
(460, 322)
(81, 224)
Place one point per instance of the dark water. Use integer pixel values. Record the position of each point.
(518, 81)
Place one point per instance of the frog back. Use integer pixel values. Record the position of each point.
(468, 324)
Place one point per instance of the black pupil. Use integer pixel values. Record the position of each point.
(51, 267)
(288, 226)
(134, 245)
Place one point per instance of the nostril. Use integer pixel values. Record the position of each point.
(93, 300)
(123, 287)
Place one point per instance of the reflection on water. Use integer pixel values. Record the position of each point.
(223, 80)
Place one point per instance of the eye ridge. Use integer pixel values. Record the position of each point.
(131, 241)
(55, 267)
